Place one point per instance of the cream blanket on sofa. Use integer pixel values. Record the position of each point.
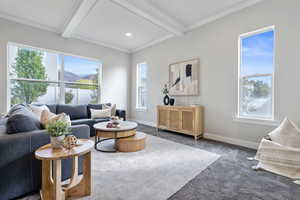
(279, 159)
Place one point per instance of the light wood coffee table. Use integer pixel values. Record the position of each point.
(52, 188)
(126, 130)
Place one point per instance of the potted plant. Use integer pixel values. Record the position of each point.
(57, 130)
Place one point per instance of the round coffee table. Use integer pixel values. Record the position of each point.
(51, 171)
(126, 129)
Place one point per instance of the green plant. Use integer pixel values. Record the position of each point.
(58, 128)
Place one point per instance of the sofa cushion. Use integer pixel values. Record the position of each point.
(104, 119)
(93, 106)
(22, 120)
(14, 108)
(37, 110)
(52, 107)
(88, 122)
(100, 113)
(74, 111)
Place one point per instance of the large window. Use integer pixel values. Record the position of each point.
(256, 75)
(141, 93)
(39, 76)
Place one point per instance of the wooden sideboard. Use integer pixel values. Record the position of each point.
(183, 119)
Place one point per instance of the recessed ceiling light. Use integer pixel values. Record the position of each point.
(128, 34)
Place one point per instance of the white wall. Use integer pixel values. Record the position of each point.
(115, 84)
(216, 44)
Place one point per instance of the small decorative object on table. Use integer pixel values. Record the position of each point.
(113, 125)
(70, 141)
(165, 91)
(172, 101)
(57, 131)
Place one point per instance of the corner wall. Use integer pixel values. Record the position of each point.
(115, 64)
(216, 44)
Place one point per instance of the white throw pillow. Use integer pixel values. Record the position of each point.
(287, 134)
(48, 117)
(100, 113)
(112, 108)
(37, 110)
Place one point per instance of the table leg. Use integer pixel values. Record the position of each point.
(46, 192)
(83, 188)
(51, 182)
(57, 189)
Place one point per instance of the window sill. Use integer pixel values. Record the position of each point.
(141, 109)
(264, 122)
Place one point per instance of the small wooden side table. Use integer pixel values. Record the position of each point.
(52, 189)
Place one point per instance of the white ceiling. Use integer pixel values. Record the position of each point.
(105, 22)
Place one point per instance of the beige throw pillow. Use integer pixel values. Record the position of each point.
(37, 110)
(100, 113)
(113, 108)
(48, 117)
(287, 134)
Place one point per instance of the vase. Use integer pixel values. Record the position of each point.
(56, 142)
(166, 100)
(172, 101)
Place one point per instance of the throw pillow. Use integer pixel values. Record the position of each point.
(38, 110)
(48, 117)
(100, 113)
(287, 134)
(22, 120)
(112, 108)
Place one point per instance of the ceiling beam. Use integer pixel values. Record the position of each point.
(153, 15)
(81, 12)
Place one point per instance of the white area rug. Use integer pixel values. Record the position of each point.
(152, 174)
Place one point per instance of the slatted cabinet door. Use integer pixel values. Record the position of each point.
(182, 119)
(188, 120)
(163, 117)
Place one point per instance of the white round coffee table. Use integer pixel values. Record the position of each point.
(126, 129)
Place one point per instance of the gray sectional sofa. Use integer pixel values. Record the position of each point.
(20, 172)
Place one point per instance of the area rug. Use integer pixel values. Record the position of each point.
(151, 174)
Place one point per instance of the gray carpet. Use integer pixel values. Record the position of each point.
(155, 173)
(231, 176)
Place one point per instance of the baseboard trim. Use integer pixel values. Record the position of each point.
(152, 124)
(212, 136)
(243, 143)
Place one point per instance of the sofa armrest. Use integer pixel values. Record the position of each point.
(17, 160)
(16, 146)
(121, 113)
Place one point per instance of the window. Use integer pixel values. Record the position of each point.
(141, 93)
(256, 75)
(39, 76)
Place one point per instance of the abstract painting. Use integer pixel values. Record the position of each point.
(183, 77)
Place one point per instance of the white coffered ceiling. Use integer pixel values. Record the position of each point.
(106, 22)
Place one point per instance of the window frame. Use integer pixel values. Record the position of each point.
(257, 119)
(60, 82)
(137, 107)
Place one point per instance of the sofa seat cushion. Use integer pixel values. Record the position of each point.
(103, 119)
(74, 111)
(88, 122)
(22, 120)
